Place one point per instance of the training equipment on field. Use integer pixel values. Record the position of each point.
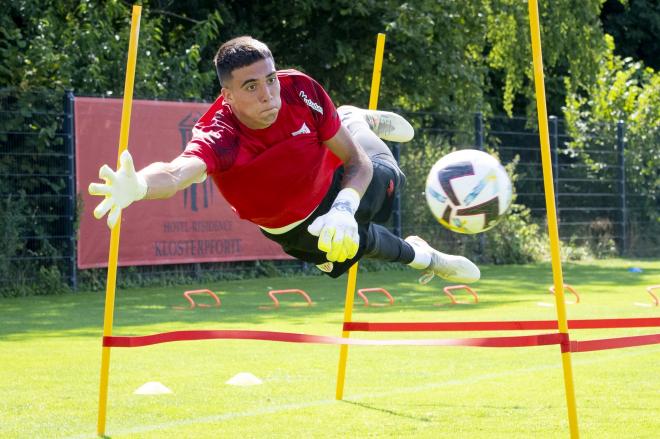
(244, 379)
(561, 325)
(152, 388)
(654, 298)
(468, 191)
(570, 290)
(362, 292)
(448, 289)
(273, 296)
(188, 296)
(567, 287)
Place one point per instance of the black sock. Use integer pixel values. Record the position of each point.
(386, 246)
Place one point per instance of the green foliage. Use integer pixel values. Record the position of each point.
(635, 26)
(22, 275)
(571, 45)
(82, 45)
(517, 239)
(12, 221)
(624, 91)
(440, 56)
(453, 57)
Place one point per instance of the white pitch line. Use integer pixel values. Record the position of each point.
(322, 402)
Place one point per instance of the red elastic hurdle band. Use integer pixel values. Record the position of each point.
(614, 343)
(644, 322)
(493, 342)
(574, 346)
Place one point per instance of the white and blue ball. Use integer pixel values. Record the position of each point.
(468, 191)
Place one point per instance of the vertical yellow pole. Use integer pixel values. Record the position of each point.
(114, 236)
(352, 272)
(553, 230)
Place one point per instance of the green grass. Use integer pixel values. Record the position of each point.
(50, 349)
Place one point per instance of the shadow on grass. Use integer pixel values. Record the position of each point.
(81, 315)
(387, 411)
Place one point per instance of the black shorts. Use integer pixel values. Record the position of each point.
(375, 206)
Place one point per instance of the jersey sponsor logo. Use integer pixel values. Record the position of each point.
(310, 103)
(303, 130)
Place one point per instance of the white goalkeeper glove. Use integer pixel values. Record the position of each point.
(337, 230)
(121, 188)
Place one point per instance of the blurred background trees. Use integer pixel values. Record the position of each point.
(445, 60)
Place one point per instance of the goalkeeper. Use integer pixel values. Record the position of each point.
(314, 178)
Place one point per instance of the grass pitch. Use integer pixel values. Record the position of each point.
(50, 349)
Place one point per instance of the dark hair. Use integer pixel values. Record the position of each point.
(236, 53)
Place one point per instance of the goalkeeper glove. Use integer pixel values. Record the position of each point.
(337, 230)
(121, 188)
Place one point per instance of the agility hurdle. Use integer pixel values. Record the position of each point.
(108, 313)
(188, 296)
(274, 293)
(362, 292)
(553, 229)
(559, 337)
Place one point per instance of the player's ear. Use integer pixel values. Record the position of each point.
(227, 95)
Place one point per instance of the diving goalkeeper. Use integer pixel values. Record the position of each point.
(314, 178)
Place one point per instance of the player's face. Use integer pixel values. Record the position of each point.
(254, 94)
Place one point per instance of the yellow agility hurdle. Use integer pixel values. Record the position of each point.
(110, 288)
(562, 338)
(553, 230)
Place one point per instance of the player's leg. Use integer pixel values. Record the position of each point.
(384, 124)
(376, 204)
(383, 245)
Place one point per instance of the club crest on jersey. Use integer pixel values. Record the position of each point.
(303, 130)
(310, 103)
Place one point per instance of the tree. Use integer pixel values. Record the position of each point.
(450, 56)
(635, 26)
(624, 91)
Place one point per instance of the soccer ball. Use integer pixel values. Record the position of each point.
(468, 191)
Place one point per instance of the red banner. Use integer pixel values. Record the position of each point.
(196, 225)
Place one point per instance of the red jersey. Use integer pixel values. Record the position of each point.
(276, 175)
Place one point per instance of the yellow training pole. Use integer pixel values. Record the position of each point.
(114, 237)
(553, 231)
(352, 272)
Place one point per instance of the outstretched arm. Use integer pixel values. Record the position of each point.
(166, 179)
(158, 180)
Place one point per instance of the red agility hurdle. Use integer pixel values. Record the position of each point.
(188, 296)
(447, 290)
(654, 298)
(273, 296)
(570, 290)
(362, 293)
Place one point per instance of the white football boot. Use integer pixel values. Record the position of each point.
(385, 124)
(449, 267)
